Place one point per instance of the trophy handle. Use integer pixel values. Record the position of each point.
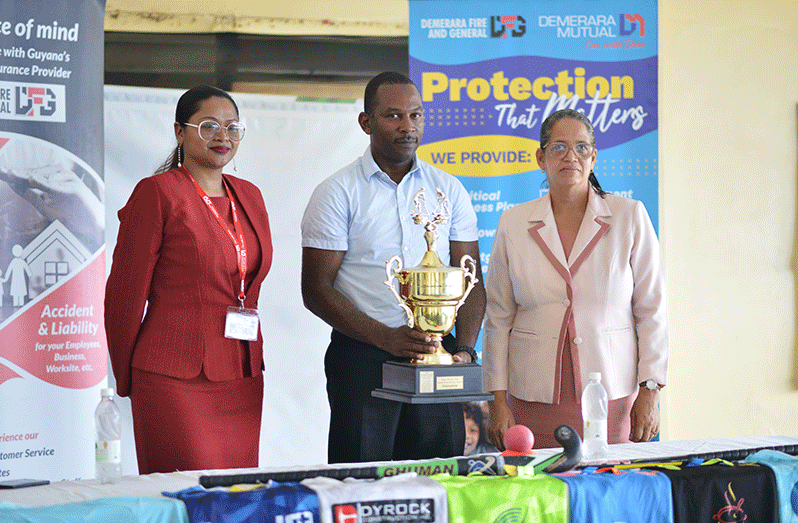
(391, 274)
(469, 266)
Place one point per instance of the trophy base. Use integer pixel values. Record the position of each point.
(425, 383)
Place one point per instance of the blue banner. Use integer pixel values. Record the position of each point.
(490, 72)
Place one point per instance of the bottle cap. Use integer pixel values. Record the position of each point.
(594, 376)
(107, 393)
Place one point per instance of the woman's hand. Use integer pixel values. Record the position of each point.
(501, 419)
(645, 416)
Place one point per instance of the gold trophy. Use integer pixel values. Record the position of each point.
(431, 295)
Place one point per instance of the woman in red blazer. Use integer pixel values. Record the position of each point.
(193, 249)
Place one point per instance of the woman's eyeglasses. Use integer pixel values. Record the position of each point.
(208, 130)
(559, 150)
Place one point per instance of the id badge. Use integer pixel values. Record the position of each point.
(241, 324)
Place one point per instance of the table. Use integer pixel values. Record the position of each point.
(152, 485)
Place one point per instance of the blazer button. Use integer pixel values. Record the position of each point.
(577, 340)
(566, 302)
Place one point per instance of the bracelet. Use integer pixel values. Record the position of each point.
(469, 350)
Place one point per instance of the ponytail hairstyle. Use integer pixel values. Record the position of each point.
(187, 106)
(545, 136)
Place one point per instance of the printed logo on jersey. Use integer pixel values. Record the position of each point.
(482, 464)
(385, 511)
(502, 26)
(512, 515)
(733, 511)
(32, 102)
(305, 516)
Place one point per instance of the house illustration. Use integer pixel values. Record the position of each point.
(51, 256)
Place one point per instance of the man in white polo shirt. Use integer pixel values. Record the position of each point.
(356, 220)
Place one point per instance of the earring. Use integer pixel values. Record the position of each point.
(180, 155)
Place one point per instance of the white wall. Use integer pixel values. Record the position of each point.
(728, 119)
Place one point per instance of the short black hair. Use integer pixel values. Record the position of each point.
(385, 78)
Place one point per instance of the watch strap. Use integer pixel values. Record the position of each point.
(470, 350)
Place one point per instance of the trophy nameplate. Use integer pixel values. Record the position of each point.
(430, 295)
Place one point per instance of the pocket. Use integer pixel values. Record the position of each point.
(621, 349)
(522, 344)
(522, 331)
(531, 363)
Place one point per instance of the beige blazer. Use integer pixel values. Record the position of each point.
(610, 292)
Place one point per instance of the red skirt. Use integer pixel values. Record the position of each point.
(195, 424)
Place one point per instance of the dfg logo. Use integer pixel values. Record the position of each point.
(32, 102)
(500, 24)
(30, 99)
(632, 20)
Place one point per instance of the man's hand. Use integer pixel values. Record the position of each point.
(462, 357)
(404, 342)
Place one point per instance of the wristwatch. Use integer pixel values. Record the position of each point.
(651, 385)
(470, 350)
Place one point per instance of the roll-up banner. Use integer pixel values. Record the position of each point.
(52, 244)
(490, 72)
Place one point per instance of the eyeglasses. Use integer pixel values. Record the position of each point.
(560, 150)
(208, 130)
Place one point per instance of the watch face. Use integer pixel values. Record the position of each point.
(652, 385)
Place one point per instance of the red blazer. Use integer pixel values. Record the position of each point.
(168, 258)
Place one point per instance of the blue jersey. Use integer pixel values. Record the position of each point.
(785, 467)
(631, 496)
(282, 503)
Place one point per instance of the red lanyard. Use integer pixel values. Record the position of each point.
(239, 242)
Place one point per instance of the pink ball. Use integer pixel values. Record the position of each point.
(519, 438)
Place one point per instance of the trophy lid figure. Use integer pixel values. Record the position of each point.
(439, 216)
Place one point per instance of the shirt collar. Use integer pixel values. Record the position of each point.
(370, 167)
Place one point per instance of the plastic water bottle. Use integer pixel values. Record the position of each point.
(594, 416)
(108, 442)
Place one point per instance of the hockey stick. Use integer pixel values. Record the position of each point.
(569, 458)
(488, 464)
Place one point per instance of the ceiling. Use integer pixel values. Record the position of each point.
(270, 17)
(314, 49)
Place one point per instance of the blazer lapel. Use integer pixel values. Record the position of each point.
(256, 218)
(594, 225)
(544, 231)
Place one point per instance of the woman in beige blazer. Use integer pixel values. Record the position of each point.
(575, 285)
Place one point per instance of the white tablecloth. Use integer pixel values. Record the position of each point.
(152, 485)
